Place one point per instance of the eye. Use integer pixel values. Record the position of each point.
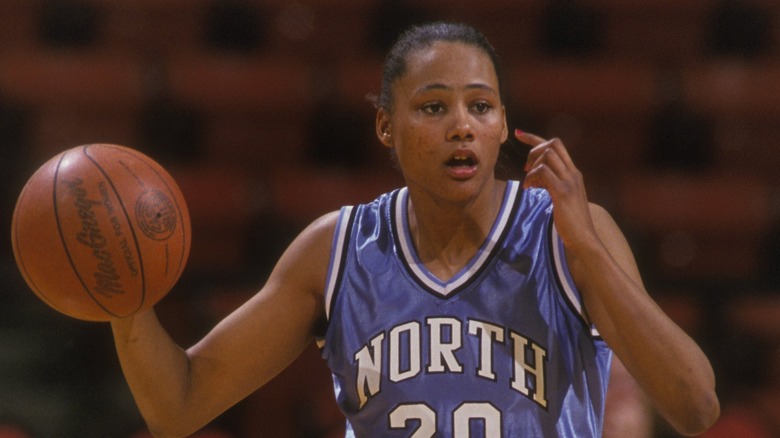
(433, 108)
(482, 107)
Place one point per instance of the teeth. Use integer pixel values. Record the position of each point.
(461, 160)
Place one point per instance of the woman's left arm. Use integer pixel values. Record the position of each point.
(668, 365)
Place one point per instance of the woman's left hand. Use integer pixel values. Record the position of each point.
(549, 166)
(663, 359)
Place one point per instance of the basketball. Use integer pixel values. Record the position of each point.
(100, 232)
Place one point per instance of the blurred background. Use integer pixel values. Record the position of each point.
(671, 108)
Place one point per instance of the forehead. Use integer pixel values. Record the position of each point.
(453, 64)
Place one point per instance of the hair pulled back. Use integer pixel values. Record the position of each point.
(424, 36)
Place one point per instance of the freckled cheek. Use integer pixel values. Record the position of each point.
(415, 157)
(494, 139)
(495, 136)
(423, 147)
(418, 146)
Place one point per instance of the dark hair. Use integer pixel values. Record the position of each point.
(424, 36)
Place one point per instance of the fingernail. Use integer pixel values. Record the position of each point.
(519, 132)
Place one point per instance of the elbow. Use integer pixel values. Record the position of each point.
(165, 421)
(176, 428)
(702, 415)
(168, 431)
(161, 431)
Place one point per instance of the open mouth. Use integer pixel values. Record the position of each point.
(461, 161)
(462, 165)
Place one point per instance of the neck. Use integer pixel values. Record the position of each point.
(448, 234)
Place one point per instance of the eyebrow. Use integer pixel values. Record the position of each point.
(440, 86)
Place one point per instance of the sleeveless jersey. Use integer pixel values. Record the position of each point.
(502, 349)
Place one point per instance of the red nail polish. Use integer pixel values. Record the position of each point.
(518, 132)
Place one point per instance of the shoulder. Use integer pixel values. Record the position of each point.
(600, 214)
(610, 234)
(605, 225)
(305, 261)
(315, 240)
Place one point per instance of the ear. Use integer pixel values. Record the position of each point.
(505, 129)
(383, 127)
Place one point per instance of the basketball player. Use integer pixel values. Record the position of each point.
(460, 305)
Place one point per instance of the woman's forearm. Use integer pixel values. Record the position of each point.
(665, 361)
(157, 371)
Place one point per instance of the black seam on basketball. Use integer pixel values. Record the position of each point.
(132, 232)
(62, 237)
(182, 253)
(184, 240)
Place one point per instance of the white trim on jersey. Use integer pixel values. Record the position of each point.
(334, 270)
(569, 288)
(416, 266)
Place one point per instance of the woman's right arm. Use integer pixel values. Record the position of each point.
(155, 367)
(179, 391)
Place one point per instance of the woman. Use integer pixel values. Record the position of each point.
(457, 303)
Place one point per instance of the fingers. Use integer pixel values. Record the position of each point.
(551, 153)
(541, 148)
(542, 177)
(528, 138)
(549, 165)
(538, 146)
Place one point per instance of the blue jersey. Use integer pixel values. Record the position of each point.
(501, 349)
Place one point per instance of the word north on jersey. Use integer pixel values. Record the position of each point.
(446, 341)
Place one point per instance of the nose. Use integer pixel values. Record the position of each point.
(461, 128)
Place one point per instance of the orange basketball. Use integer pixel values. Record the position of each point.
(100, 232)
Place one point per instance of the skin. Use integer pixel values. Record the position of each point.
(445, 106)
(666, 363)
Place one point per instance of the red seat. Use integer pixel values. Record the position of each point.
(585, 88)
(77, 79)
(734, 89)
(699, 227)
(223, 204)
(303, 193)
(276, 86)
